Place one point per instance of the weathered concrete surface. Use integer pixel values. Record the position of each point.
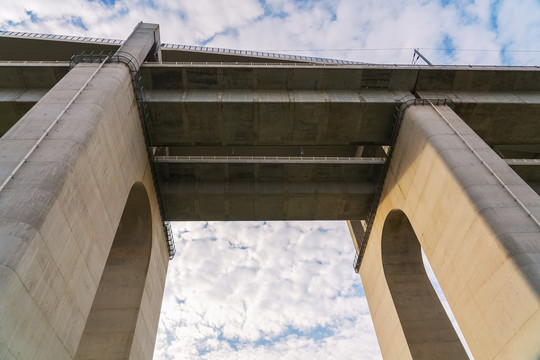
(59, 216)
(22, 86)
(480, 242)
(277, 200)
(285, 110)
(112, 321)
(228, 104)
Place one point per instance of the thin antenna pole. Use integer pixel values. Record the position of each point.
(423, 57)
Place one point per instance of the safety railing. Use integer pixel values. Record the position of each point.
(270, 160)
(22, 34)
(261, 54)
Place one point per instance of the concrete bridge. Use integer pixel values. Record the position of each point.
(99, 151)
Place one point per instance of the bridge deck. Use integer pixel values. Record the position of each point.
(295, 110)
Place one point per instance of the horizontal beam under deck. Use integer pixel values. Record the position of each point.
(303, 117)
(230, 138)
(499, 118)
(241, 201)
(271, 117)
(267, 188)
(302, 76)
(198, 104)
(247, 117)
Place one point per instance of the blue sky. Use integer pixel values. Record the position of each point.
(286, 290)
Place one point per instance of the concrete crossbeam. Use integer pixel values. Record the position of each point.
(330, 117)
(244, 201)
(31, 75)
(305, 117)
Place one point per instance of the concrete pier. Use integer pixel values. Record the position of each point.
(477, 222)
(79, 223)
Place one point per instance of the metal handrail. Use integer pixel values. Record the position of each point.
(270, 159)
(261, 54)
(23, 34)
(253, 64)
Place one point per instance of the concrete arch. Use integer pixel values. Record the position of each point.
(111, 324)
(427, 329)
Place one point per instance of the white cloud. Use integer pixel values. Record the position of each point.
(275, 290)
(309, 25)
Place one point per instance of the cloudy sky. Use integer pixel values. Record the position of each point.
(286, 290)
(383, 31)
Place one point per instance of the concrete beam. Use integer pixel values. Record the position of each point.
(242, 201)
(439, 79)
(499, 118)
(522, 162)
(31, 75)
(266, 117)
(331, 117)
(322, 117)
(14, 95)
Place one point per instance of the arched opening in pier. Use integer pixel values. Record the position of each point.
(426, 326)
(111, 324)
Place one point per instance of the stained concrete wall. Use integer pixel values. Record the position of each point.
(60, 213)
(480, 242)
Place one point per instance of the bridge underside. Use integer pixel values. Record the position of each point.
(254, 117)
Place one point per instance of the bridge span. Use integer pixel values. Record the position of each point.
(103, 142)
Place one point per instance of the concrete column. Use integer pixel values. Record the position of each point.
(142, 44)
(477, 222)
(60, 212)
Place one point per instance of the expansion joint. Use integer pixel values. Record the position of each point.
(134, 66)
